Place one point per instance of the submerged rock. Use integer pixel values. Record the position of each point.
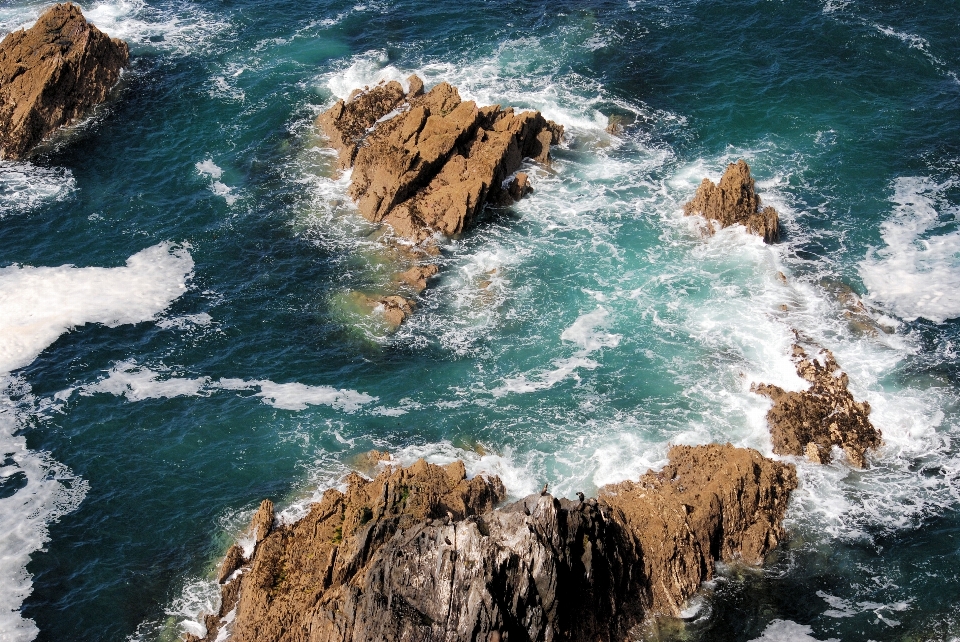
(811, 422)
(735, 201)
(52, 74)
(420, 554)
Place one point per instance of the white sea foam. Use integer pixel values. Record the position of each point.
(917, 274)
(588, 333)
(788, 631)
(136, 383)
(24, 186)
(211, 170)
(39, 304)
(180, 27)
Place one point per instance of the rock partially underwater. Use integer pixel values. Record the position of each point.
(734, 201)
(419, 553)
(810, 422)
(51, 75)
(427, 163)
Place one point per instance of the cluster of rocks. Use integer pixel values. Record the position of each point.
(810, 422)
(420, 553)
(426, 163)
(734, 201)
(51, 75)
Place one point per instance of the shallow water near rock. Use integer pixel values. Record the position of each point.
(569, 339)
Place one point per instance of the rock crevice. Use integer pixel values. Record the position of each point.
(419, 553)
(51, 75)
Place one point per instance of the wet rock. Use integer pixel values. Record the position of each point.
(425, 164)
(811, 422)
(419, 554)
(709, 503)
(735, 201)
(51, 75)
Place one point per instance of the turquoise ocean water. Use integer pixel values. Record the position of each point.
(174, 343)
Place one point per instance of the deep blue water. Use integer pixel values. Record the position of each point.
(147, 410)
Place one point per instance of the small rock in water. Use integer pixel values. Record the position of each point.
(52, 74)
(735, 201)
(810, 422)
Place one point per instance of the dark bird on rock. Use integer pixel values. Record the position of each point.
(544, 491)
(580, 496)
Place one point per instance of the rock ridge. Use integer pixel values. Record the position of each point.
(52, 74)
(810, 422)
(426, 163)
(419, 553)
(735, 201)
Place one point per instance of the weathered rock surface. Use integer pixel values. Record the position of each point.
(427, 163)
(811, 422)
(419, 554)
(735, 201)
(709, 503)
(52, 74)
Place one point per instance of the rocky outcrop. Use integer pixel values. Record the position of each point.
(708, 503)
(427, 163)
(810, 422)
(735, 201)
(51, 75)
(419, 554)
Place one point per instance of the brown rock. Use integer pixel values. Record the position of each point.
(231, 562)
(419, 554)
(433, 166)
(811, 422)
(52, 74)
(416, 277)
(427, 163)
(735, 201)
(262, 522)
(709, 503)
(299, 568)
(346, 123)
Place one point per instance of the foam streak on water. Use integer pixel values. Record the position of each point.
(917, 274)
(39, 304)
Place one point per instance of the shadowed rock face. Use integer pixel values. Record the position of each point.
(419, 554)
(811, 422)
(735, 201)
(51, 75)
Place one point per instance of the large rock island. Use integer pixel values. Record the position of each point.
(51, 75)
(420, 553)
(427, 163)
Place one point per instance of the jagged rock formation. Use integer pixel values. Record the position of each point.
(427, 163)
(709, 503)
(811, 422)
(52, 74)
(735, 201)
(418, 554)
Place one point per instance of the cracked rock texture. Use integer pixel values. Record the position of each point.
(811, 422)
(51, 75)
(735, 201)
(420, 554)
(427, 163)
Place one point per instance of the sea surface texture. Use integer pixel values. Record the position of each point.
(177, 343)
